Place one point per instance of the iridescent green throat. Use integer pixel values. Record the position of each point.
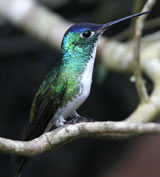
(76, 53)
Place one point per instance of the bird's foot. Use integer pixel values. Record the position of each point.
(60, 122)
(76, 118)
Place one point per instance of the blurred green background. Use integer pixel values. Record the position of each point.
(24, 62)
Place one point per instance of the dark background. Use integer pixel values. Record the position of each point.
(24, 62)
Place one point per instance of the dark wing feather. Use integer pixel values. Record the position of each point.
(43, 108)
(44, 113)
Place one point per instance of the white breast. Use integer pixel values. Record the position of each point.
(64, 112)
(87, 77)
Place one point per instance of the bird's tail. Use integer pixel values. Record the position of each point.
(21, 162)
(31, 131)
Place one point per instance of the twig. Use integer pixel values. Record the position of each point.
(138, 5)
(142, 92)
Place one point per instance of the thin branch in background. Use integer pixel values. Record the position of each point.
(137, 7)
(35, 19)
(142, 91)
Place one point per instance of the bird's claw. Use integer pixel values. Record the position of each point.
(76, 118)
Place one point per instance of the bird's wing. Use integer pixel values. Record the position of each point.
(44, 106)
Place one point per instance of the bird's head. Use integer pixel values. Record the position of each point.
(86, 35)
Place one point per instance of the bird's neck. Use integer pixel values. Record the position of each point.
(75, 60)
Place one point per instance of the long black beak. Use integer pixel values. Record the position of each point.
(105, 26)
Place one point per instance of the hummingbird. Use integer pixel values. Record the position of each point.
(68, 85)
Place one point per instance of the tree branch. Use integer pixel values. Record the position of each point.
(35, 19)
(68, 133)
(142, 91)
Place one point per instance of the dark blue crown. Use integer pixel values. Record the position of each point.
(79, 27)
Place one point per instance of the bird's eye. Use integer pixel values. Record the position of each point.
(86, 34)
